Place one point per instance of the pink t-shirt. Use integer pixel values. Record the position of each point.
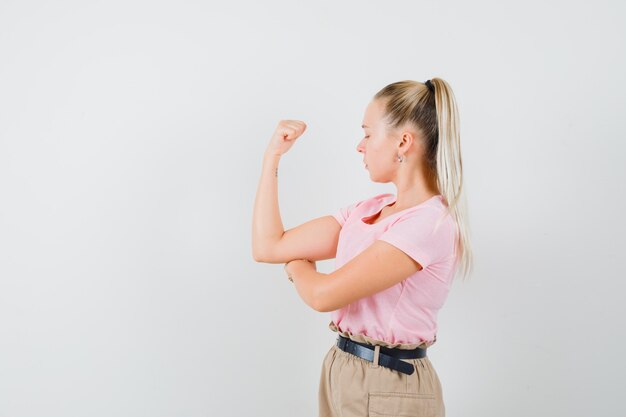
(405, 313)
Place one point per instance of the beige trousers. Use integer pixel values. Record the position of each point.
(351, 386)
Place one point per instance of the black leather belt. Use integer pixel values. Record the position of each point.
(387, 357)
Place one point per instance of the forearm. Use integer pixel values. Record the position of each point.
(267, 226)
(308, 283)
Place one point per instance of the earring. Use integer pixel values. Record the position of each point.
(400, 158)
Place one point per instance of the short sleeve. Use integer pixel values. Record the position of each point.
(343, 213)
(425, 235)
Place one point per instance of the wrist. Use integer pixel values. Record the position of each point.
(270, 155)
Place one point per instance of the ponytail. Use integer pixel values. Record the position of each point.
(432, 108)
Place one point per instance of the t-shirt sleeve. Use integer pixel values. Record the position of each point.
(344, 212)
(416, 235)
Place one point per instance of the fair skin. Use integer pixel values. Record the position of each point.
(369, 271)
(380, 150)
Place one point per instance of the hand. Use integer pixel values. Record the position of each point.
(285, 136)
(293, 266)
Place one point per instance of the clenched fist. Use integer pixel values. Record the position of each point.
(284, 136)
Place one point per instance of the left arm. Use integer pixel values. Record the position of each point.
(380, 266)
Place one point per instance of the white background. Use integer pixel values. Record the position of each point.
(131, 141)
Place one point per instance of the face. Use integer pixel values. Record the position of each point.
(378, 149)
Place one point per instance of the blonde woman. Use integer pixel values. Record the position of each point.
(396, 254)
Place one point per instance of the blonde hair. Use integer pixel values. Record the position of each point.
(436, 116)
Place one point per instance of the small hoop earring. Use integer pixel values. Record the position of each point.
(400, 158)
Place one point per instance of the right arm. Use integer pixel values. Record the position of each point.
(313, 240)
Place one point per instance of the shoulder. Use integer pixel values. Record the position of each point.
(429, 219)
(427, 234)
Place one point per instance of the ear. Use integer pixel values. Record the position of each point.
(407, 139)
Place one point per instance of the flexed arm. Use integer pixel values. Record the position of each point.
(267, 226)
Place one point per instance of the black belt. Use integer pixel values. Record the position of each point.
(388, 357)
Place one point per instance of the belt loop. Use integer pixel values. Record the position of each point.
(376, 352)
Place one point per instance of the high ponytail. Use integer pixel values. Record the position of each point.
(436, 115)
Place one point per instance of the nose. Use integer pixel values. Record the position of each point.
(360, 147)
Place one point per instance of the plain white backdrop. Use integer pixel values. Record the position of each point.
(131, 141)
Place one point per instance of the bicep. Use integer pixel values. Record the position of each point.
(314, 240)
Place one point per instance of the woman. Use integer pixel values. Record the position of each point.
(396, 255)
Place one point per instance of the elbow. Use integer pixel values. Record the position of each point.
(316, 306)
(322, 307)
(327, 297)
(320, 302)
(257, 255)
(264, 252)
